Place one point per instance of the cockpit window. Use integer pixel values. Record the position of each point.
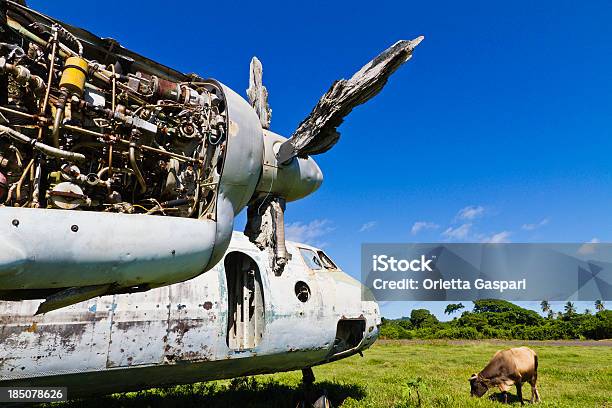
(326, 261)
(311, 258)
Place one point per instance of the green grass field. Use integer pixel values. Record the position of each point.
(569, 376)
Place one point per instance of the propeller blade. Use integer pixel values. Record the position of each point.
(318, 132)
(258, 94)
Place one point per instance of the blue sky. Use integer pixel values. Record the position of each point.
(505, 110)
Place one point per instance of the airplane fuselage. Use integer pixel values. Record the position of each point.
(237, 319)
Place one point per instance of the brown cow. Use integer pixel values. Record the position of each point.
(507, 367)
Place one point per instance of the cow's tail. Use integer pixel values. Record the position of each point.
(535, 366)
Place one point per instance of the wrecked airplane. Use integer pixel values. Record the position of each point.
(120, 179)
(118, 174)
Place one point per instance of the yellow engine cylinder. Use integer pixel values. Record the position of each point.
(73, 77)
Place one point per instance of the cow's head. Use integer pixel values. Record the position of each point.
(478, 386)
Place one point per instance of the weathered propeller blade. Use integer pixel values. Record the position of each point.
(258, 94)
(318, 132)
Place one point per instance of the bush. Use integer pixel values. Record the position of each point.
(422, 318)
(501, 320)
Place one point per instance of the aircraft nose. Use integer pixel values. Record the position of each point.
(377, 315)
(371, 310)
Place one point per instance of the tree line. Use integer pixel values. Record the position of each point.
(500, 319)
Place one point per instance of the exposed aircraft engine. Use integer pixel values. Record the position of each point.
(116, 174)
(119, 174)
(83, 127)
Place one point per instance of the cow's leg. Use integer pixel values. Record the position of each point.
(534, 391)
(534, 380)
(505, 394)
(519, 392)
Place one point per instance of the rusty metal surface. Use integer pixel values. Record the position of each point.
(177, 334)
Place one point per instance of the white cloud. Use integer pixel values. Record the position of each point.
(588, 248)
(499, 238)
(459, 233)
(531, 227)
(421, 226)
(470, 212)
(368, 225)
(308, 233)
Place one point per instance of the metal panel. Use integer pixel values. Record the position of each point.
(193, 325)
(139, 327)
(73, 339)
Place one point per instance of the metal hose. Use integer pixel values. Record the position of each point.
(23, 76)
(41, 147)
(68, 36)
(105, 170)
(20, 182)
(57, 122)
(141, 180)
